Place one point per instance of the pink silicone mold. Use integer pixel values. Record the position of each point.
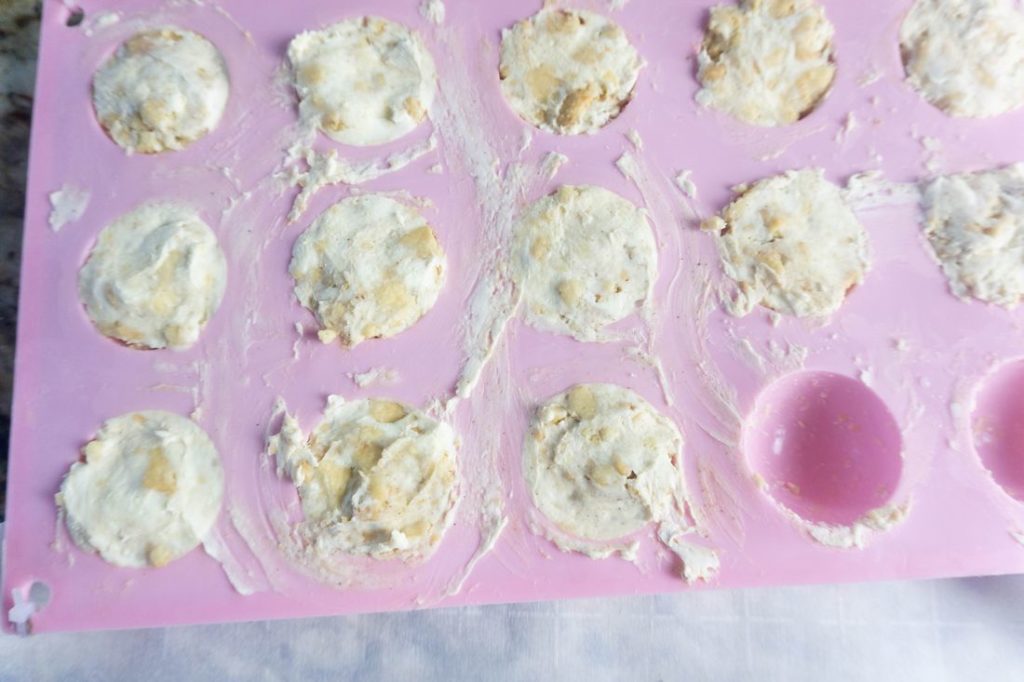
(792, 427)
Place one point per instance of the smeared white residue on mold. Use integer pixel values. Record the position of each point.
(1017, 535)
(629, 165)
(645, 356)
(867, 376)
(870, 77)
(200, 388)
(551, 164)
(857, 534)
(525, 140)
(384, 376)
(240, 576)
(494, 525)
(328, 168)
(634, 139)
(615, 5)
(932, 150)
(300, 332)
(436, 169)
(685, 183)
(901, 344)
(433, 11)
(67, 205)
(850, 124)
(95, 23)
(869, 190)
(699, 563)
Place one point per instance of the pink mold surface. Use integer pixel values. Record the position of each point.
(907, 397)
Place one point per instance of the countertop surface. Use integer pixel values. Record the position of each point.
(19, 32)
(932, 630)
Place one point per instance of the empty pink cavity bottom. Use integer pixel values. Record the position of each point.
(827, 446)
(997, 427)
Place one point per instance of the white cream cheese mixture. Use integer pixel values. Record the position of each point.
(154, 277)
(766, 62)
(161, 90)
(966, 57)
(363, 81)
(601, 462)
(974, 223)
(567, 71)
(368, 267)
(375, 477)
(792, 244)
(584, 258)
(147, 492)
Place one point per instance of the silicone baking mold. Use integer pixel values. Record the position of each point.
(883, 443)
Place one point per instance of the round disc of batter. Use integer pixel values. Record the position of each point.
(975, 226)
(601, 462)
(584, 258)
(363, 81)
(791, 244)
(766, 62)
(161, 90)
(966, 57)
(148, 491)
(376, 478)
(154, 277)
(567, 71)
(369, 267)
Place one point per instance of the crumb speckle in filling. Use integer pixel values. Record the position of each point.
(601, 462)
(368, 267)
(766, 62)
(362, 81)
(791, 244)
(147, 492)
(376, 478)
(161, 90)
(966, 57)
(154, 277)
(567, 71)
(975, 227)
(584, 258)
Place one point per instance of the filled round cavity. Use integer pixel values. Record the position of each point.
(161, 90)
(974, 223)
(997, 427)
(376, 478)
(363, 81)
(584, 258)
(766, 62)
(369, 267)
(825, 445)
(147, 492)
(154, 277)
(966, 57)
(600, 462)
(567, 71)
(791, 244)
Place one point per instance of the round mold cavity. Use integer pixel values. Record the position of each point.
(997, 426)
(826, 445)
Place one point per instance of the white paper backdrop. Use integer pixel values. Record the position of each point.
(971, 629)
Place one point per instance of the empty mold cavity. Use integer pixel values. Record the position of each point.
(826, 446)
(997, 426)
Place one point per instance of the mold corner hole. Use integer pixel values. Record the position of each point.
(28, 601)
(75, 17)
(827, 447)
(997, 426)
